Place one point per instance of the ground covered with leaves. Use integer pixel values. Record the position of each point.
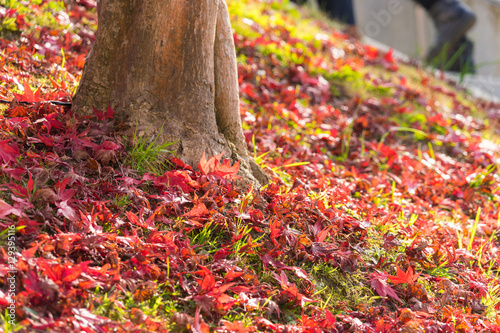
(382, 213)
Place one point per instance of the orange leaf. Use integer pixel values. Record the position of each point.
(18, 111)
(237, 326)
(199, 210)
(216, 167)
(28, 95)
(70, 274)
(207, 167)
(231, 275)
(404, 277)
(227, 171)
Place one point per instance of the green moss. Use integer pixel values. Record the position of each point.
(339, 290)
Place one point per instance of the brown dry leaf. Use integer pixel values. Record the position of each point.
(46, 195)
(304, 240)
(80, 155)
(144, 291)
(137, 316)
(93, 165)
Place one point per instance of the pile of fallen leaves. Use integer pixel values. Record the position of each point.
(382, 213)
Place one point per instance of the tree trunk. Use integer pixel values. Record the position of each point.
(168, 68)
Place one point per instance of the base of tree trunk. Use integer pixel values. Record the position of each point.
(168, 69)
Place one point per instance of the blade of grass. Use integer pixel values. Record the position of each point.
(474, 229)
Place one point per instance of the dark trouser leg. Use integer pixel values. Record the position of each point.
(341, 10)
(461, 60)
(458, 58)
(427, 4)
(452, 20)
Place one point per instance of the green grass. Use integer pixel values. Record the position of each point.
(207, 239)
(146, 155)
(474, 229)
(118, 305)
(491, 302)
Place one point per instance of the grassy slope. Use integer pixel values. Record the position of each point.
(382, 214)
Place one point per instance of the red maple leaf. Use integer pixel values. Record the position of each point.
(389, 57)
(371, 52)
(180, 179)
(231, 275)
(6, 209)
(31, 184)
(208, 167)
(28, 95)
(225, 302)
(198, 211)
(225, 170)
(222, 254)
(70, 274)
(18, 111)
(199, 326)
(378, 282)
(8, 151)
(276, 230)
(102, 116)
(207, 283)
(330, 319)
(403, 277)
(29, 253)
(214, 167)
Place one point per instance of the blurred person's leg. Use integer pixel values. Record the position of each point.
(461, 60)
(452, 20)
(341, 10)
(427, 4)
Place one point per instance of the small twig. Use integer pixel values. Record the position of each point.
(4, 101)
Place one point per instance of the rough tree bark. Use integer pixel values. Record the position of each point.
(168, 68)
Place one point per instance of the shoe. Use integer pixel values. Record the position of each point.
(452, 20)
(461, 59)
(458, 59)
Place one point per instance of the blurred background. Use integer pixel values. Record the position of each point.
(409, 30)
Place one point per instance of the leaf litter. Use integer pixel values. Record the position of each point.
(381, 214)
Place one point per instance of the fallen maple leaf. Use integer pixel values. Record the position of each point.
(29, 253)
(207, 167)
(389, 56)
(199, 326)
(215, 167)
(18, 111)
(231, 275)
(180, 179)
(198, 211)
(378, 282)
(236, 326)
(6, 209)
(67, 211)
(70, 274)
(8, 151)
(222, 254)
(103, 116)
(276, 230)
(403, 277)
(28, 95)
(225, 170)
(86, 319)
